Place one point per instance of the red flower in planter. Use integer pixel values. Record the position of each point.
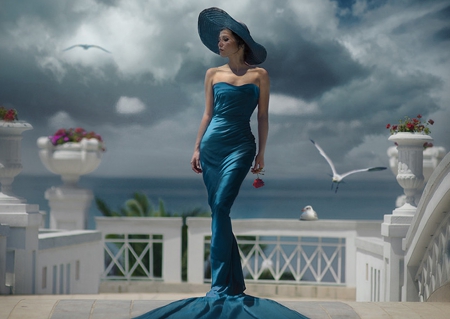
(74, 135)
(8, 115)
(411, 125)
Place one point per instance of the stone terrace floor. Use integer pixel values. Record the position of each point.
(129, 305)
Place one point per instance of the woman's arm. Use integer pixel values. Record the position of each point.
(263, 118)
(207, 115)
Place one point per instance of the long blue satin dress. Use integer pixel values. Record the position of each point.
(227, 151)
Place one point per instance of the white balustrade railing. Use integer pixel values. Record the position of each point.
(272, 250)
(434, 270)
(291, 259)
(283, 250)
(141, 248)
(427, 243)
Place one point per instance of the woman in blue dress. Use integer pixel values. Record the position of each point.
(225, 151)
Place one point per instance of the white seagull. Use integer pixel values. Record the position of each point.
(337, 178)
(86, 46)
(308, 213)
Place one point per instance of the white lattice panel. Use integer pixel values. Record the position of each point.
(292, 259)
(128, 257)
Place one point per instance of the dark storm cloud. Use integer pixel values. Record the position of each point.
(307, 70)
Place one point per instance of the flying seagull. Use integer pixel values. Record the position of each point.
(308, 213)
(337, 178)
(86, 46)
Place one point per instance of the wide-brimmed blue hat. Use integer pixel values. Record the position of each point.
(213, 20)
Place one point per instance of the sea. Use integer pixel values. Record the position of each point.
(279, 198)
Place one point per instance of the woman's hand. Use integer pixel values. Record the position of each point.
(259, 164)
(195, 162)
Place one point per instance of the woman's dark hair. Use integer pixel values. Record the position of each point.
(240, 43)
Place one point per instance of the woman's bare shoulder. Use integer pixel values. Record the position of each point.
(262, 76)
(261, 71)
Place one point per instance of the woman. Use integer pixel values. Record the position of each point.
(224, 152)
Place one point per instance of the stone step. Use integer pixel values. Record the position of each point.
(50, 307)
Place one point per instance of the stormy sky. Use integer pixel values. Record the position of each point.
(340, 71)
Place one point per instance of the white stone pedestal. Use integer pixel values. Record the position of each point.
(69, 207)
(393, 230)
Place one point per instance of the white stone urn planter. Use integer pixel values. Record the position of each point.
(70, 160)
(69, 204)
(10, 158)
(432, 156)
(410, 167)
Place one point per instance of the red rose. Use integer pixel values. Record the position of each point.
(258, 183)
(431, 121)
(419, 116)
(388, 126)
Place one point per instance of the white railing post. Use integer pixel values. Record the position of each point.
(350, 259)
(198, 228)
(171, 258)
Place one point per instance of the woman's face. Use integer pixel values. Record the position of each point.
(227, 43)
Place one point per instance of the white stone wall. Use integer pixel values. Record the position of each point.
(370, 277)
(69, 262)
